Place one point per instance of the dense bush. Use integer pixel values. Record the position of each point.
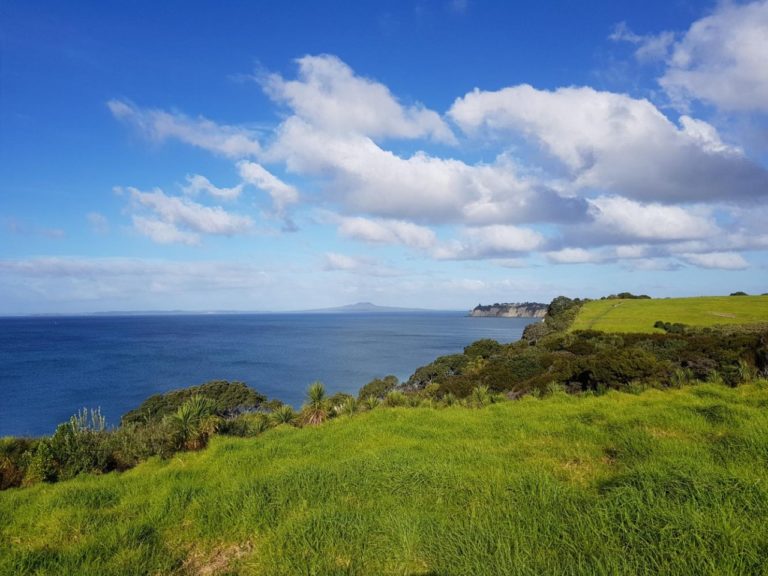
(561, 313)
(15, 455)
(592, 361)
(229, 398)
(378, 387)
(626, 296)
(163, 425)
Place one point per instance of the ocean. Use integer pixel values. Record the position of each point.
(50, 367)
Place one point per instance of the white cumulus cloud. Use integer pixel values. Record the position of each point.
(282, 194)
(495, 241)
(387, 231)
(616, 143)
(723, 59)
(573, 256)
(330, 96)
(630, 220)
(170, 219)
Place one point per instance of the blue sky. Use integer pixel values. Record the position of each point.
(278, 156)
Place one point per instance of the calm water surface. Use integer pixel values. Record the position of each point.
(51, 367)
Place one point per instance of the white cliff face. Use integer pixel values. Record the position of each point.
(526, 310)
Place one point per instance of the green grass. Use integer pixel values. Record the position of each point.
(669, 482)
(640, 315)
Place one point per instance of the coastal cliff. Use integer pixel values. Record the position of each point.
(520, 310)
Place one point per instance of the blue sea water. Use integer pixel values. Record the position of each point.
(50, 367)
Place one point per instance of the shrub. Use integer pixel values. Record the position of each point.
(229, 398)
(244, 425)
(395, 398)
(746, 371)
(553, 388)
(338, 400)
(480, 397)
(348, 407)
(371, 402)
(439, 371)
(283, 415)
(81, 445)
(680, 377)
(483, 348)
(714, 377)
(194, 422)
(378, 387)
(315, 411)
(15, 454)
(42, 465)
(133, 443)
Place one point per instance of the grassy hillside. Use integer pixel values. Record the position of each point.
(666, 482)
(640, 315)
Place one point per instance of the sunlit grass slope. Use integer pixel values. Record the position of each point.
(669, 482)
(640, 315)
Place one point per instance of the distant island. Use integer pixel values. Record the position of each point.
(507, 310)
(364, 307)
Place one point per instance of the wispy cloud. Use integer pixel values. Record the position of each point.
(98, 223)
(159, 125)
(197, 183)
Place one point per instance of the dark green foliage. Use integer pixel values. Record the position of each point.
(42, 464)
(597, 361)
(85, 445)
(81, 445)
(229, 397)
(133, 443)
(378, 387)
(439, 371)
(561, 313)
(15, 456)
(670, 328)
(483, 348)
(613, 369)
(194, 422)
(739, 293)
(626, 296)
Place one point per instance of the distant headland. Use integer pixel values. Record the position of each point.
(507, 310)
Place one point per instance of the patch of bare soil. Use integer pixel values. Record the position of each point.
(216, 561)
